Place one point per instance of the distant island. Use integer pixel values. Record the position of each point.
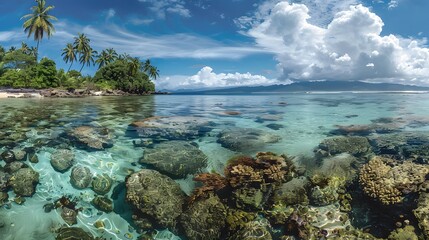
(316, 86)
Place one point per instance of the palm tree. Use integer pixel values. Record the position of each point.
(32, 52)
(150, 70)
(39, 22)
(83, 48)
(153, 72)
(87, 58)
(69, 54)
(24, 48)
(81, 43)
(106, 56)
(124, 56)
(11, 49)
(134, 66)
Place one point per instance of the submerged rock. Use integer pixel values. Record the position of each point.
(69, 215)
(171, 128)
(62, 160)
(80, 177)
(20, 155)
(73, 233)
(14, 166)
(356, 146)
(175, 158)
(103, 203)
(24, 182)
(8, 156)
(4, 179)
(405, 145)
(94, 138)
(101, 184)
(205, 219)
(293, 192)
(155, 195)
(246, 139)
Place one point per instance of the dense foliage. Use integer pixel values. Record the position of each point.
(19, 68)
(124, 75)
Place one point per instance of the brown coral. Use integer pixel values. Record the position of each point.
(212, 182)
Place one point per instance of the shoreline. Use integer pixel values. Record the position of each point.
(61, 93)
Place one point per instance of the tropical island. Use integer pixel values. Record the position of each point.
(118, 73)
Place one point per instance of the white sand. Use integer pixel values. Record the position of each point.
(17, 95)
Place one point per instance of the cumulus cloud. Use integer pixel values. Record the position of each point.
(322, 11)
(350, 47)
(162, 7)
(207, 78)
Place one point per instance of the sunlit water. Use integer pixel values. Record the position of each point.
(304, 121)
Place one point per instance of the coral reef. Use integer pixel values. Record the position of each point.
(212, 183)
(254, 230)
(155, 195)
(422, 213)
(388, 183)
(406, 233)
(175, 158)
(250, 180)
(237, 219)
(204, 219)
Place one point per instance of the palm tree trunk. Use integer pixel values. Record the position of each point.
(37, 50)
(83, 65)
(70, 66)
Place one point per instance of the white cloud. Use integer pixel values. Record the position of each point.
(141, 45)
(341, 50)
(140, 21)
(110, 13)
(162, 7)
(207, 78)
(6, 36)
(321, 11)
(393, 4)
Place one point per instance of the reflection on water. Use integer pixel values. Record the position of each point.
(322, 187)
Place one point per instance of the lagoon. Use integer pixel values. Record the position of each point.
(221, 127)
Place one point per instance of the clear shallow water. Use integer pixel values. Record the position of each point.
(305, 120)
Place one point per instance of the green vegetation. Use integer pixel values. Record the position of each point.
(124, 74)
(19, 67)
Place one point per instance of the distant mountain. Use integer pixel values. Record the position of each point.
(319, 86)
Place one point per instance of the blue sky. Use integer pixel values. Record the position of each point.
(211, 43)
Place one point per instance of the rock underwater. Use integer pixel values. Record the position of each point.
(246, 139)
(155, 197)
(175, 158)
(170, 128)
(92, 138)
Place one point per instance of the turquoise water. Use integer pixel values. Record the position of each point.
(299, 121)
